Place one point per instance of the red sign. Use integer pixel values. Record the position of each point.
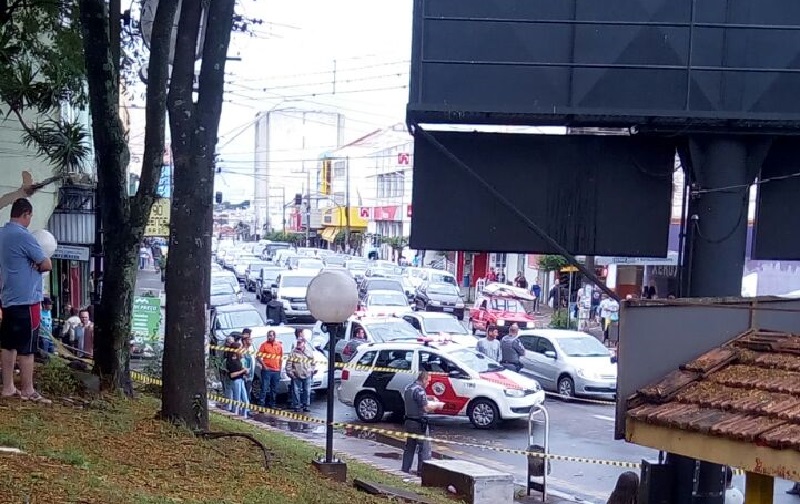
(386, 213)
(408, 211)
(403, 158)
(363, 212)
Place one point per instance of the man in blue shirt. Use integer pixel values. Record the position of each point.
(22, 263)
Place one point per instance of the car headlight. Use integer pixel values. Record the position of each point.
(589, 375)
(435, 303)
(501, 323)
(459, 305)
(514, 393)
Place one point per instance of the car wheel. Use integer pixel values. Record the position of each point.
(566, 386)
(483, 414)
(460, 316)
(369, 408)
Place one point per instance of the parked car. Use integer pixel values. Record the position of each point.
(230, 318)
(290, 289)
(571, 363)
(385, 301)
(252, 272)
(499, 305)
(222, 294)
(440, 325)
(285, 335)
(467, 382)
(443, 297)
(265, 282)
(379, 283)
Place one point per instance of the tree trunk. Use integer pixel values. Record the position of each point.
(123, 220)
(194, 130)
(112, 319)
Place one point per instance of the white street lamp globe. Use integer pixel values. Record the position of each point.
(332, 297)
(46, 241)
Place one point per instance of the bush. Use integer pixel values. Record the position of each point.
(561, 320)
(55, 378)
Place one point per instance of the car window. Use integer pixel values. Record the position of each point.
(483, 304)
(583, 346)
(367, 358)
(442, 278)
(544, 345)
(528, 342)
(384, 285)
(413, 321)
(447, 325)
(296, 281)
(386, 300)
(507, 305)
(392, 330)
(444, 289)
(239, 319)
(435, 363)
(395, 359)
(270, 274)
(221, 288)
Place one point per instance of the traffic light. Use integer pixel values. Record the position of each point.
(218, 198)
(298, 199)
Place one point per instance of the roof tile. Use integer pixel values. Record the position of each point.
(748, 390)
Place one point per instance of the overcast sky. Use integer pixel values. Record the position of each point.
(288, 62)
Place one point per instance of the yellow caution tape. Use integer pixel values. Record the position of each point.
(140, 377)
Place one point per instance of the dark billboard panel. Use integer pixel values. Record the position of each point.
(595, 195)
(776, 235)
(655, 63)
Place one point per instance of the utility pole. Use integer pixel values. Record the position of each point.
(283, 208)
(347, 205)
(308, 208)
(334, 76)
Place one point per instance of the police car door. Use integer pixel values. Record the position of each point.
(392, 373)
(450, 391)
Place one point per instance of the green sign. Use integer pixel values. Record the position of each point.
(146, 317)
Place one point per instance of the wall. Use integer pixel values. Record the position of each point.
(16, 159)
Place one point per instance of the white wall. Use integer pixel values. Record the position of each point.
(16, 159)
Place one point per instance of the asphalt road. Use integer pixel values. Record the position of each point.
(581, 430)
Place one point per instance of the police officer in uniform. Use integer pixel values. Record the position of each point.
(416, 421)
(511, 349)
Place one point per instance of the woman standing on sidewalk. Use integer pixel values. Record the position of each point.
(237, 373)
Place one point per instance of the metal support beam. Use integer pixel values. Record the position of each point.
(571, 259)
(720, 169)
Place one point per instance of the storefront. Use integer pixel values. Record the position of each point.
(70, 280)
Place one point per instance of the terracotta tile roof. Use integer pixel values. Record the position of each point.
(748, 390)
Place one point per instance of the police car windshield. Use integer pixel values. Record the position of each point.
(392, 330)
(475, 361)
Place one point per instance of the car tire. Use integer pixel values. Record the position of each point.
(460, 316)
(483, 414)
(566, 386)
(369, 408)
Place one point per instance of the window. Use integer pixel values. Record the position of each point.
(435, 363)
(413, 321)
(395, 359)
(544, 345)
(353, 330)
(529, 342)
(367, 359)
(497, 261)
(340, 169)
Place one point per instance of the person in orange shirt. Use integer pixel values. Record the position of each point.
(270, 356)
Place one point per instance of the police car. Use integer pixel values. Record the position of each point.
(468, 383)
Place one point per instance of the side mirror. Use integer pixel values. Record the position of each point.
(613, 359)
(550, 354)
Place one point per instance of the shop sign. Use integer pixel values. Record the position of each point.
(146, 317)
(71, 253)
(158, 225)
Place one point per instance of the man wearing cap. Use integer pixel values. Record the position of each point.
(22, 263)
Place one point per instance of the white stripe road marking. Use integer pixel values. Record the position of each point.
(605, 417)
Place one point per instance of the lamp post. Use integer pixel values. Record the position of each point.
(332, 298)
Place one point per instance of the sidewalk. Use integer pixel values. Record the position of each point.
(384, 454)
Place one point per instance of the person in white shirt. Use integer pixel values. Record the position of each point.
(732, 494)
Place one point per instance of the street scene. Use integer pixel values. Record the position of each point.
(424, 251)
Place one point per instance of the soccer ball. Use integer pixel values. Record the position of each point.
(47, 241)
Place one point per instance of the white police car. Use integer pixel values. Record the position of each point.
(467, 382)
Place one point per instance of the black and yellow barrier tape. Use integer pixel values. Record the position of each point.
(142, 378)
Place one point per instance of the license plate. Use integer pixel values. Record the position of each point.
(448, 309)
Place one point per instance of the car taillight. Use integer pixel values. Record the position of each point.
(345, 374)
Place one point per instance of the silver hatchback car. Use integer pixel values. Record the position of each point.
(571, 363)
